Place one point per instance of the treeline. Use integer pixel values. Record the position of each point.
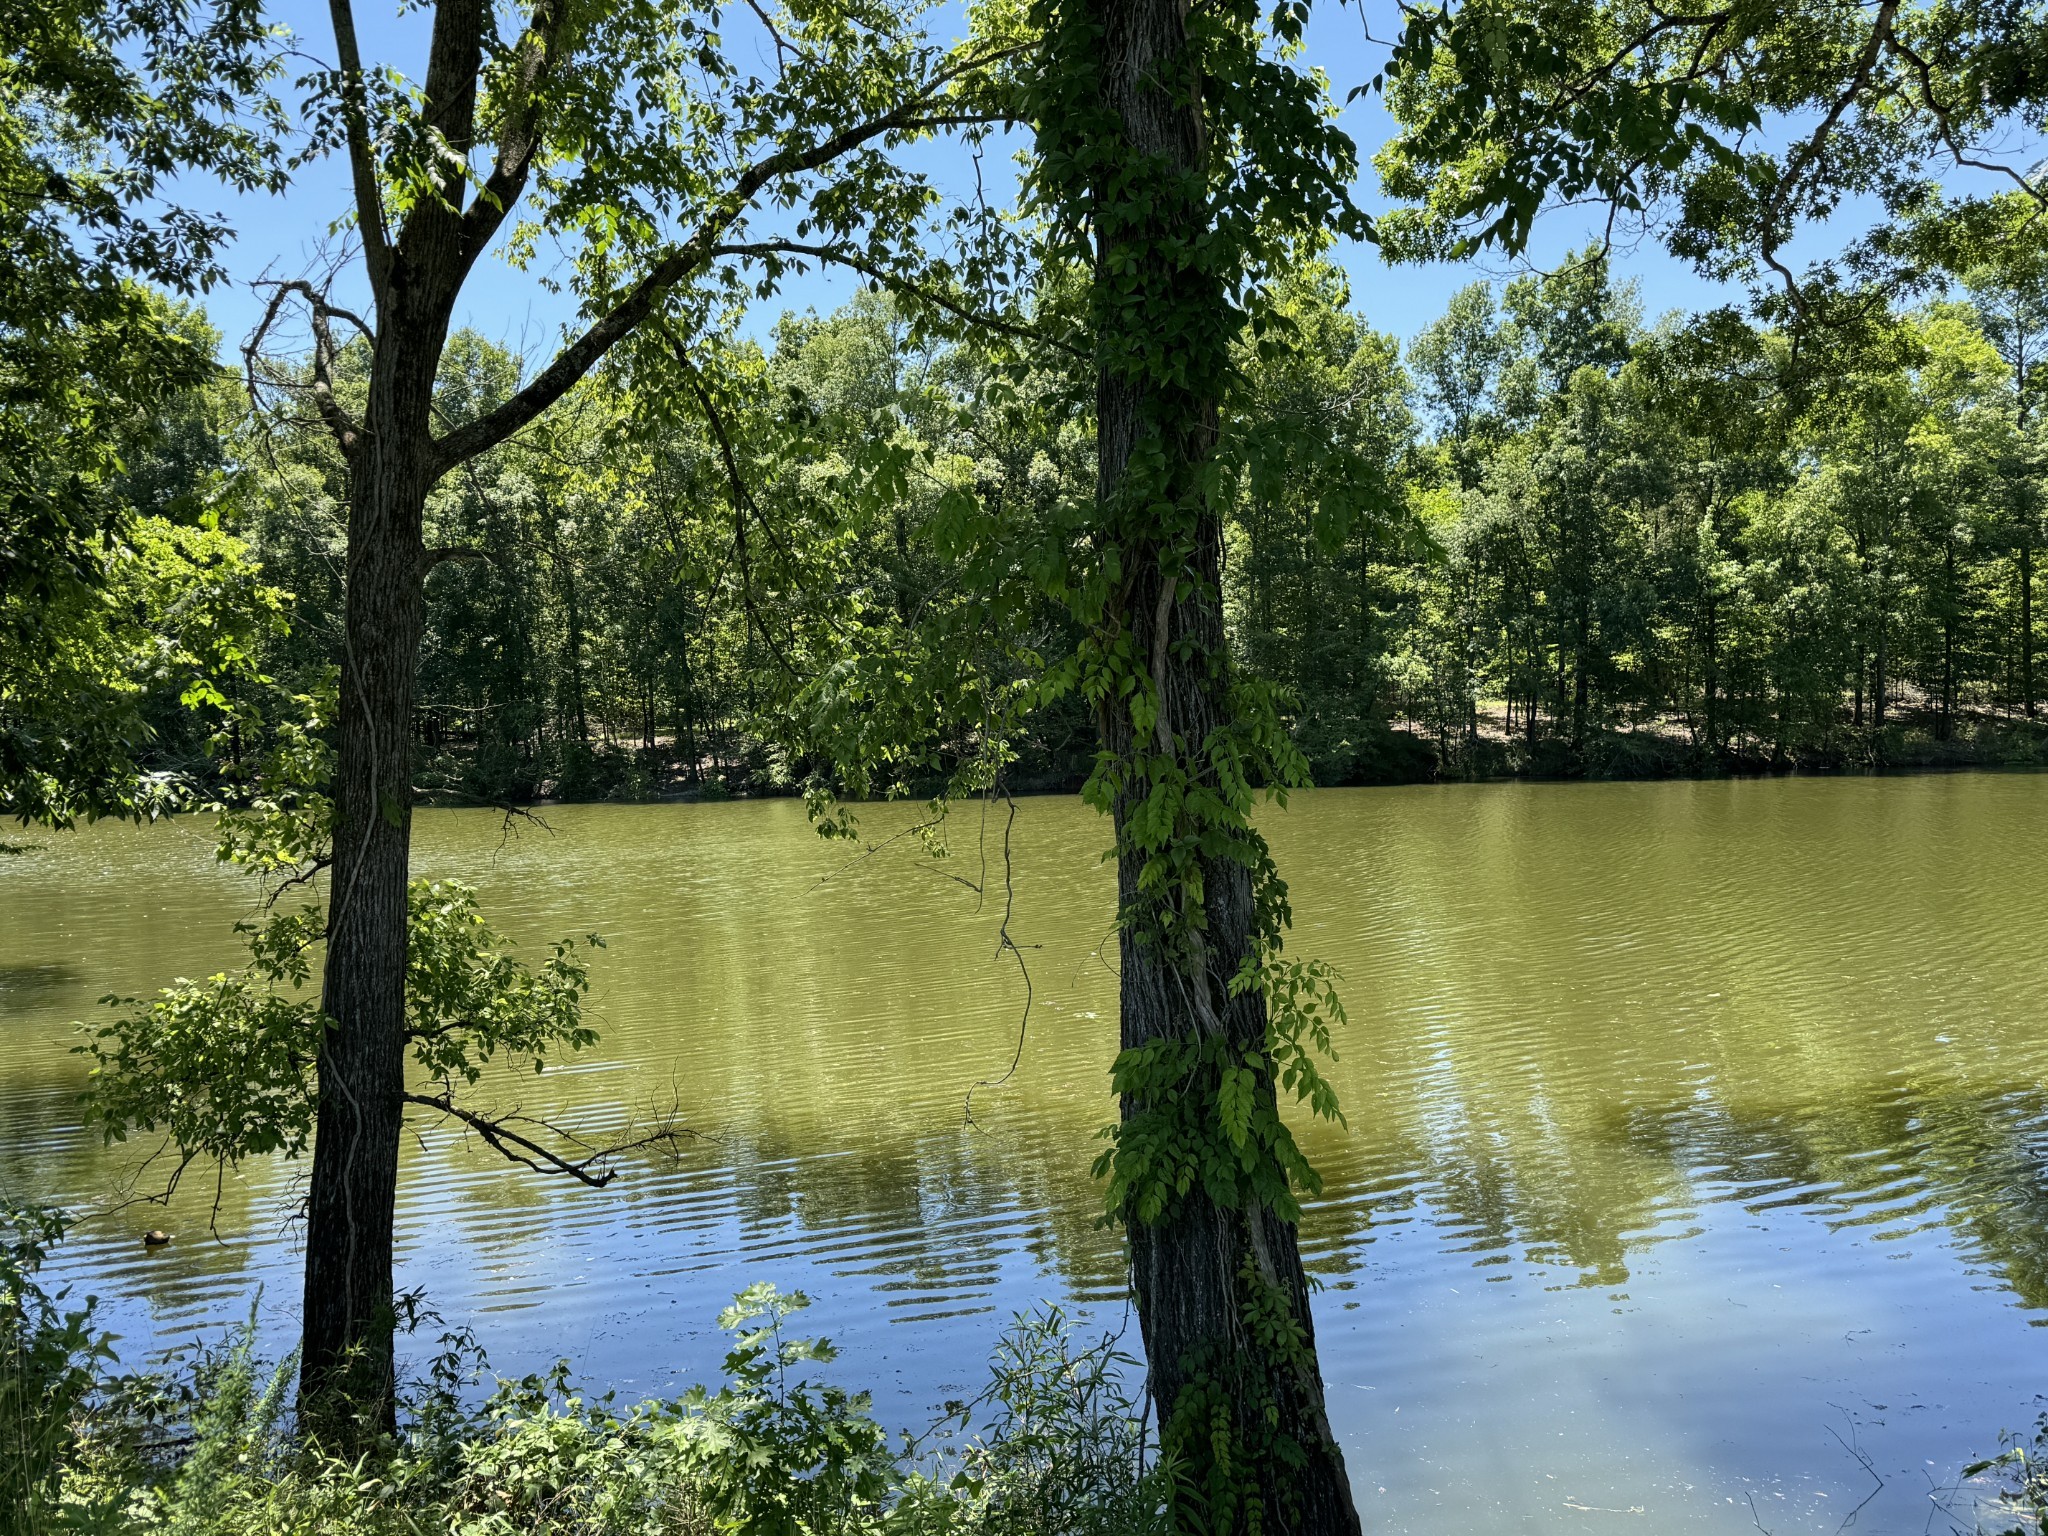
(1545, 538)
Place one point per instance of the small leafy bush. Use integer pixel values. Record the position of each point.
(2018, 1504)
(1060, 1450)
(50, 1357)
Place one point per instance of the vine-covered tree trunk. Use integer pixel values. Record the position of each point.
(1222, 1298)
(1223, 1302)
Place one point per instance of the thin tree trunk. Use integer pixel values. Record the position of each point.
(572, 618)
(2027, 620)
(1579, 683)
(346, 1367)
(1948, 641)
(1713, 680)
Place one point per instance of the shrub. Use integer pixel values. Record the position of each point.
(1053, 1447)
(50, 1358)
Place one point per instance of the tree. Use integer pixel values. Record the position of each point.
(99, 107)
(1458, 360)
(1575, 317)
(2009, 288)
(1319, 427)
(1181, 164)
(128, 612)
(1167, 212)
(632, 132)
(1712, 410)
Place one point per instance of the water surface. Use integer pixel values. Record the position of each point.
(1694, 1175)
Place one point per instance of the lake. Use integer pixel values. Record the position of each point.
(1696, 1175)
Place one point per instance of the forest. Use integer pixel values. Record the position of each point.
(1102, 483)
(1547, 537)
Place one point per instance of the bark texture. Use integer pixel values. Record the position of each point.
(346, 1367)
(1191, 1267)
(346, 1373)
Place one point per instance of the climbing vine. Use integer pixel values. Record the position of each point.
(1150, 275)
(1212, 1119)
(1183, 250)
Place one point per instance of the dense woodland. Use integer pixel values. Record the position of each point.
(1548, 536)
(1113, 483)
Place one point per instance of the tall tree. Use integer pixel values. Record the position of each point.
(1195, 157)
(667, 168)
(100, 108)
(1181, 164)
(2009, 288)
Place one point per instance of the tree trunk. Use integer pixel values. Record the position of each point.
(2027, 620)
(1580, 682)
(1948, 641)
(1192, 1268)
(346, 1366)
(1219, 1373)
(1713, 681)
(573, 618)
(1563, 709)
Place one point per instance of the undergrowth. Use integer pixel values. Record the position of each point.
(1053, 1446)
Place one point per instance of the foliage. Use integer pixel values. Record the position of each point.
(1723, 128)
(50, 1360)
(103, 109)
(1218, 1125)
(224, 1067)
(2022, 1477)
(129, 611)
(786, 1455)
(1053, 1447)
(618, 651)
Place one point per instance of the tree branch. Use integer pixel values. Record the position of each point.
(1945, 126)
(896, 283)
(454, 60)
(338, 421)
(539, 52)
(355, 116)
(1809, 153)
(743, 505)
(524, 1150)
(606, 332)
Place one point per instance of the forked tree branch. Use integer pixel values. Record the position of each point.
(593, 1168)
(519, 139)
(355, 117)
(343, 426)
(624, 317)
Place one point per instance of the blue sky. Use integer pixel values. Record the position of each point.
(289, 235)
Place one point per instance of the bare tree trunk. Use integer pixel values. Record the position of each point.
(346, 1365)
(2027, 619)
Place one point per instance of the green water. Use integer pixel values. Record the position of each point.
(1695, 1155)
